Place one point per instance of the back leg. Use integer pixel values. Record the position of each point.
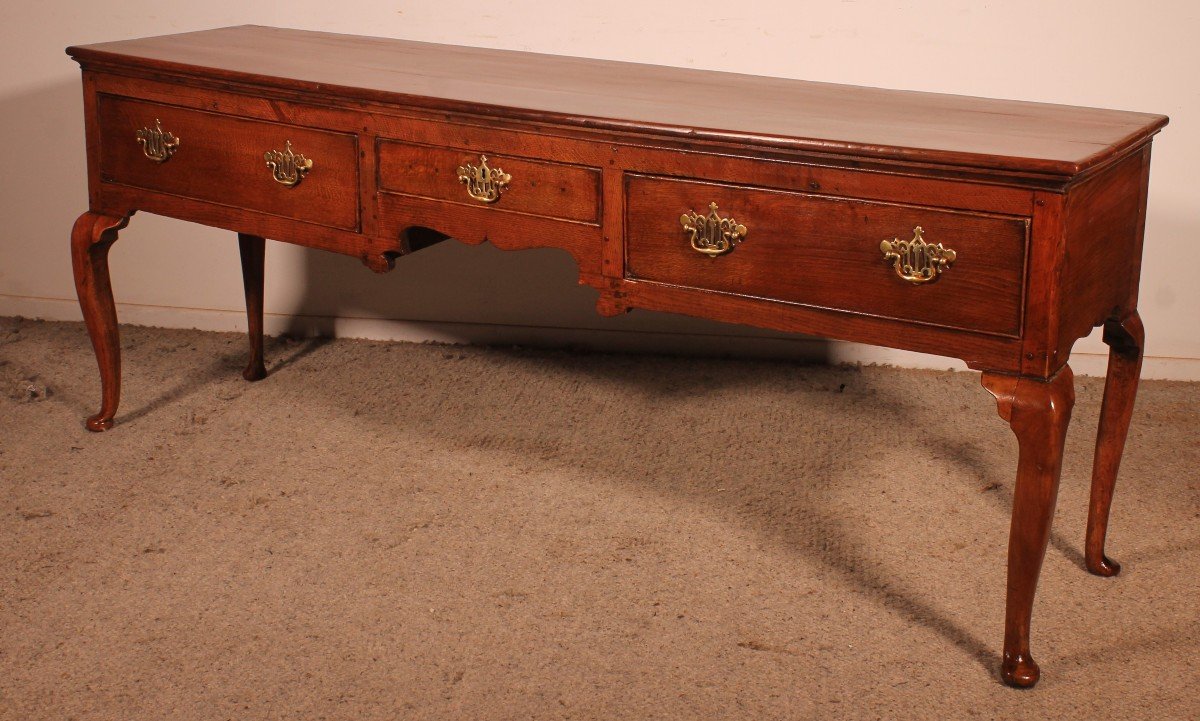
(1126, 340)
(253, 250)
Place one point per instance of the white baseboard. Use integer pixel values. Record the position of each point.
(617, 341)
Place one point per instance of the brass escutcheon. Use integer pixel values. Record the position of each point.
(712, 234)
(157, 144)
(915, 260)
(484, 183)
(287, 167)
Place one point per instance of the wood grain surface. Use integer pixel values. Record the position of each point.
(220, 159)
(824, 252)
(922, 127)
(555, 190)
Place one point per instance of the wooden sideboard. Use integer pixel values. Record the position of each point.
(993, 231)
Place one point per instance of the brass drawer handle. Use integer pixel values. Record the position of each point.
(484, 183)
(915, 260)
(712, 234)
(157, 144)
(287, 167)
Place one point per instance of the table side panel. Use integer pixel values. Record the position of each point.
(1104, 226)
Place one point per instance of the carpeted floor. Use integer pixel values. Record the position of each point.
(400, 531)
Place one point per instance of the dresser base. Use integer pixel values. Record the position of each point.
(991, 231)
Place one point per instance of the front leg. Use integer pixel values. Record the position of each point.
(1038, 411)
(92, 236)
(1125, 339)
(253, 250)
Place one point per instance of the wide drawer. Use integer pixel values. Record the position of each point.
(827, 252)
(223, 159)
(495, 179)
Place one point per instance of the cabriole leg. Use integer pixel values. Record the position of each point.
(1038, 411)
(1125, 339)
(253, 250)
(91, 238)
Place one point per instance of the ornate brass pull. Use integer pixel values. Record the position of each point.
(484, 183)
(286, 166)
(157, 144)
(712, 234)
(915, 260)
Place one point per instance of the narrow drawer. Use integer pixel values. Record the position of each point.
(494, 179)
(827, 252)
(221, 159)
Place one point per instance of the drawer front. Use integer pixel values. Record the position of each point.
(826, 252)
(536, 187)
(221, 159)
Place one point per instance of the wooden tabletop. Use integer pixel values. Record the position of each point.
(1023, 137)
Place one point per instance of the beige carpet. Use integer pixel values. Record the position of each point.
(399, 531)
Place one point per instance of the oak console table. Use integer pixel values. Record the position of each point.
(993, 231)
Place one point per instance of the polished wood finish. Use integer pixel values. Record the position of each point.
(92, 236)
(1035, 138)
(1125, 339)
(220, 159)
(824, 251)
(253, 253)
(553, 190)
(1104, 219)
(1038, 411)
(1043, 204)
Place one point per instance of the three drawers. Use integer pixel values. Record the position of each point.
(310, 175)
(961, 270)
(948, 268)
